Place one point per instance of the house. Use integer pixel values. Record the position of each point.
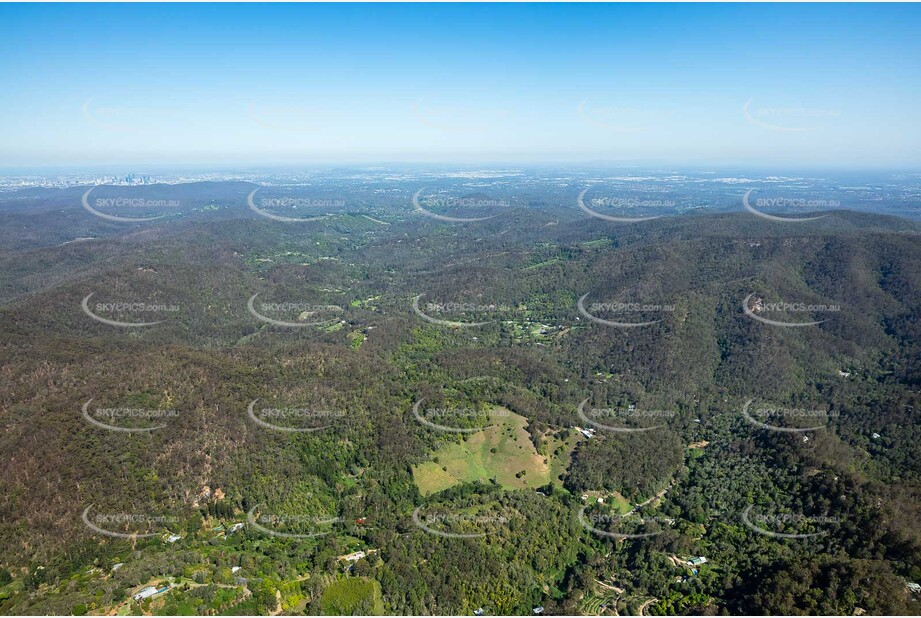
(354, 557)
(235, 569)
(117, 566)
(538, 610)
(876, 436)
(361, 520)
(697, 561)
(478, 612)
(913, 587)
(235, 527)
(146, 592)
(173, 538)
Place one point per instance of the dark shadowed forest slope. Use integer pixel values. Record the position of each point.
(714, 386)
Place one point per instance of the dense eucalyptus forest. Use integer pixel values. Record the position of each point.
(525, 411)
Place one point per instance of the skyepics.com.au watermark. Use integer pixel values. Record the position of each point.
(292, 526)
(133, 202)
(616, 526)
(125, 419)
(455, 118)
(463, 307)
(122, 209)
(785, 307)
(465, 202)
(445, 418)
(308, 314)
(121, 308)
(782, 525)
(620, 203)
(594, 416)
(779, 412)
(621, 118)
(787, 204)
(792, 518)
(314, 209)
(756, 308)
(793, 419)
(294, 419)
(458, 308)
(127, 525)
(795, 202)
(457, 524)
(428, 204)
(134, 307)
(631, 202)
(623, 308)
(300, 202)
(629, 413)
(300, 413)
(787, 118)
(287, 307)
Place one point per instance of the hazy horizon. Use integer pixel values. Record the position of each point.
(745, 86)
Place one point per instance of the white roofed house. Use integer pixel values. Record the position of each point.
(144, 593)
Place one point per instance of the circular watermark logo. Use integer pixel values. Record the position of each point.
(621, 307)
(454, 307)
(425, 205)
(620, 203)
(785, 119)
(445, 413)
(123, 204)
(767, 524)
(125, 119)
(787, 203)
(591, 521)
(284, 118)
(621, 118)
(290, 203)
(121, 308)
(305, 310)
(118, 525)
(269, 417)
(592, 415)
(759, 415)
(756, 308)
(315, 525)
(457, 118)
(449, 523)
(105, 417)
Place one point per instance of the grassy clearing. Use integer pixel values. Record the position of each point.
(558, 447)
(353, 596)
(503, 452)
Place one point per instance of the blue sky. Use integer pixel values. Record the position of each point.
(786, 85)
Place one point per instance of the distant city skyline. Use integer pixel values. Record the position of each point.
(829, 86)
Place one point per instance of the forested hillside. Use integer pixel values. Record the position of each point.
(714, 386)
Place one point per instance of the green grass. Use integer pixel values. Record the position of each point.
(501, 452)
(559, 451)
(542, 264)
(596, 244)
(353, 596)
